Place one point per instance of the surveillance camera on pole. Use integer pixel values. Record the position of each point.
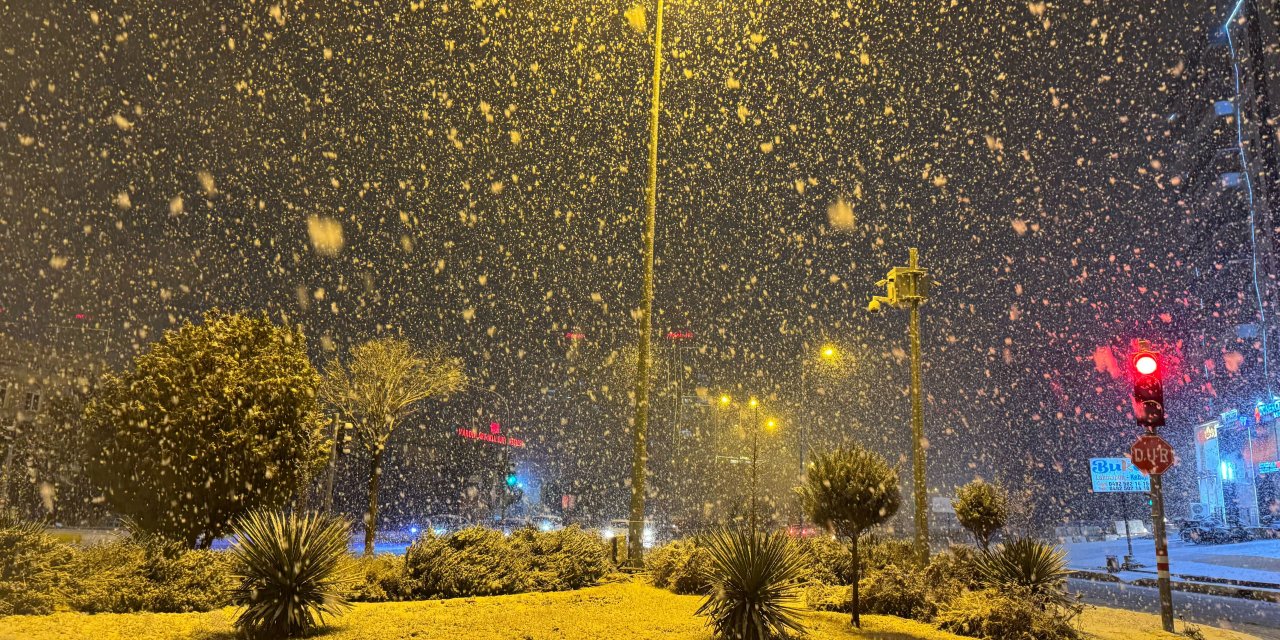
(909, 287)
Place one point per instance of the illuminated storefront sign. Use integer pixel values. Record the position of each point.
(1209, 431)
(1268, 467)
(494, 435)
(1267, 410)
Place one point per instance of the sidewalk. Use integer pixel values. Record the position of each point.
(1241, 570)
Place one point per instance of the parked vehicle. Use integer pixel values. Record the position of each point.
(446, 523)
(1213, 532)
(548, 523)
(1237, 532)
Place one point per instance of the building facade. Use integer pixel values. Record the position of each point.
(1236, 467)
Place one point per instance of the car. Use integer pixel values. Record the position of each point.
(512, 523)
(446, 523)
(619, 528)
(548, 523)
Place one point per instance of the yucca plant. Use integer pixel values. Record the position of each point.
(290, 572)
(755, 589)
(1038, 567)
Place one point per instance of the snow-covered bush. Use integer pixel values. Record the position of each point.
(957, 565)
(480, 562)
(829, 561)
(379, 578)
(981, 508)
(898, 591)
(569, 558)
(148, 575)
(472, 562)
(1006, 615)
(881, 551)
(681, 566)
(32, 568)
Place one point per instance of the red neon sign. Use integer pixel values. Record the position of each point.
(679, 335)
(495, 438)
(575, 335)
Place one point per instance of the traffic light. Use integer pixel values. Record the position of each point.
(512, 480)
(1148, 389)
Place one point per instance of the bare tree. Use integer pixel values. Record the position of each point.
(377, 389)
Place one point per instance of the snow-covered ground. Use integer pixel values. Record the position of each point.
(1256, 561)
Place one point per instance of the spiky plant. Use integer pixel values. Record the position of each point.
(1036, 566)
(755, 586)
(290, 571)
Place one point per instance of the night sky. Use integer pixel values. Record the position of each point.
(485, 164)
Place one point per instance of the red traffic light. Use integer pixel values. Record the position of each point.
(1146, 364)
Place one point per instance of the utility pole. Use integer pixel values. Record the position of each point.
(909, 287)
(639, 456)
(755, 459)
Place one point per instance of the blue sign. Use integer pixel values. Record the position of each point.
(1117, 475)
(1268, 467)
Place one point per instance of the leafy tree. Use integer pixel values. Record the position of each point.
(213, 421)
(378, 389)
(851, 490)
(981, 508)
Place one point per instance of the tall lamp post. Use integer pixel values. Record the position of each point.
(635, 529)
(909, 287)
(828, 355)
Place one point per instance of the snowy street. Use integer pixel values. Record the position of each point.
(1255, 562)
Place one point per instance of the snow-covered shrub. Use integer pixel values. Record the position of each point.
(472, 562)
(481, 562)
(32, 568)
(291, 572)
(828, 559)
(379, 578)
(981, 508)
(756, 581)
(569, 558)
(826, 597)
(1006, 615)
(148, 575)
(681, 566)
(897, 591)
(881, 551)
(957, 565)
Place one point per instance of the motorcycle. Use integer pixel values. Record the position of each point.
(1238, 533)
(1213, 532)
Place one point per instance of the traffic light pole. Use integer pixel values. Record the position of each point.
(1162, 552)
(1153, 455)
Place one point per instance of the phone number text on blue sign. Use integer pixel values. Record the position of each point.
(1117, 475)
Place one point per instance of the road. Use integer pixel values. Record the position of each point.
(1261, 618)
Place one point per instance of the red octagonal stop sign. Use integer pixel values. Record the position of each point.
(1151, 454)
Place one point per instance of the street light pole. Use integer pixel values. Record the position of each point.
(635, 529)
(755, 459)
(909, 287)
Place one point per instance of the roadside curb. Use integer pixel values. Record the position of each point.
(1192, 584)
